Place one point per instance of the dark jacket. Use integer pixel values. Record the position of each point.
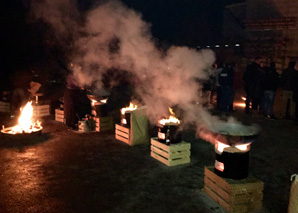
(294, 86)
(286, 79)
(271, 79)
(226, 77)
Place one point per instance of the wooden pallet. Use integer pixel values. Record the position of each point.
(235, 196)
(41, 110)
(4, 106)
(123, 134)
(103, 124)
(172, 155)
(59, 115)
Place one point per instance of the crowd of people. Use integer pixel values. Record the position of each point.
(260, 83)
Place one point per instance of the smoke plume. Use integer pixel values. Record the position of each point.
(115, 36)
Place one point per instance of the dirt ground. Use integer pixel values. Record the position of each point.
(65, 171)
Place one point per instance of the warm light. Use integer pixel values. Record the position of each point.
(220, 146)
(238, 104)
(93, 102)
(124, 121)
(25, 121)
(243, 98)
(130, 108)
(104, 101)
(171, 120)
(243, 147)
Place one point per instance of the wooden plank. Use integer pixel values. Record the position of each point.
(233, 199)
(123, 134)
(60, 120)
(171, 148)
(125, 140)
(41, 107)
(170, 156)
(168, 162)
(219, 181)
(222, 194)
(227, 192)
(122, 128)
(243, 186)
(216, 198)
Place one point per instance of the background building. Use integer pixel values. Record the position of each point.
(266, 28)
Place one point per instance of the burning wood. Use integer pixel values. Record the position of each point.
(168, 131)
(26, 123)
(171, 120)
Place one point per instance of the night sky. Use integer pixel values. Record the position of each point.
(187, 23)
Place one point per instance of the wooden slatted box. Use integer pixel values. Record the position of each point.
(171, 155)
(59, 115)
(137, 132)
(123, 134)
(41, 110)
(4, 107)
(236, 196)
(103, 124)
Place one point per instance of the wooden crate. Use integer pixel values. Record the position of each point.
(123, 134)
(241, 196)
(103, 123)
(172, 155)
(41, 110)
(59, 115)
(4, 106)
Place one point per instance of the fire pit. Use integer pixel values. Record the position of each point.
(26, 126)
(232, 145)
(169, 130)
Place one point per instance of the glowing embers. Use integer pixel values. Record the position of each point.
(169, 129)
(26, 123)
(125, 114)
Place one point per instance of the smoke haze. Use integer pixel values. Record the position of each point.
(162, 79)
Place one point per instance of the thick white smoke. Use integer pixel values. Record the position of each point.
(165, 79)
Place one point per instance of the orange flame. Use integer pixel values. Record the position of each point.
(25, 121)
(221, 146)
(130, 108)
(171, 120)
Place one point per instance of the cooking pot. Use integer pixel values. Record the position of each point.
(235, 134)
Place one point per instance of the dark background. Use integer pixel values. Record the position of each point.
(26, 45)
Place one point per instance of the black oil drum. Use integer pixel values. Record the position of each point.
(233, 165)
(169, 134)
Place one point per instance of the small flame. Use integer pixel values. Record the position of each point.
(243, 98)
(221, 146)
(130, 108)
(172, 119)
(25, 121)
(104, 101)
(243, 147)
(124, 121)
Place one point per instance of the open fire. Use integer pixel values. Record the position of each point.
(168, 129)
(26, 123)
(125, 113)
